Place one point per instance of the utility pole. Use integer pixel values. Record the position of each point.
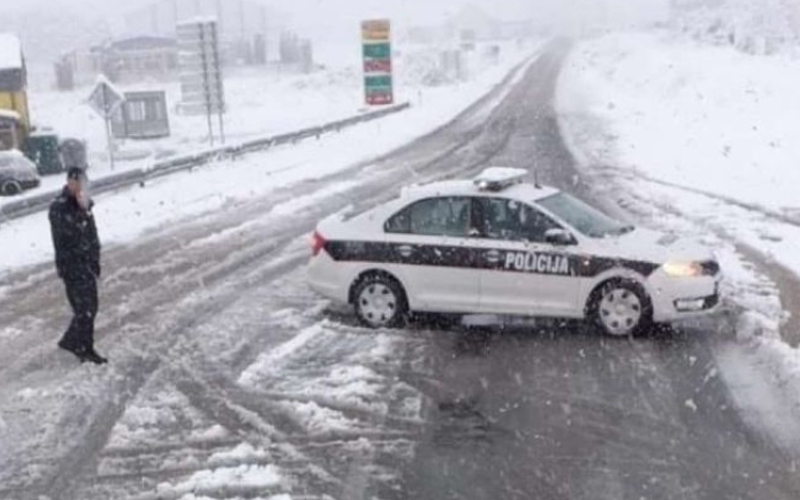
(241, 20)
(265, 33)
(220, 25)
(154, 18)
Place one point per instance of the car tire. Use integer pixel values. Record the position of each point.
(10, 188)
(620, 308)
(380, 301)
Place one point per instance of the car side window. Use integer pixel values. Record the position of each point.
(447, 216)
(511, 220)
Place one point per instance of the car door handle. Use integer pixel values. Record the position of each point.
(405, 250)
(493, 256)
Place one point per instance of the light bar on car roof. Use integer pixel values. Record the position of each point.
(499, 178)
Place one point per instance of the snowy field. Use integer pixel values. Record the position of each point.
(262, 102)
(127, 214)
(699, 140)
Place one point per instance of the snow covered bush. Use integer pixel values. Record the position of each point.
(761, 27)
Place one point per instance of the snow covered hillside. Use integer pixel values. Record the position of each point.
(701, 140)
(703, 117)
(762, 27)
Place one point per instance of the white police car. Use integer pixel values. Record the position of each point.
(497, 245)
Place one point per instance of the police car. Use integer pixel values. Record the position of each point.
(497, 245)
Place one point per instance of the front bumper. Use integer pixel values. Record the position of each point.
(676, 299)
(30, 184)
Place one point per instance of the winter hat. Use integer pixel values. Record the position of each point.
(76, 174)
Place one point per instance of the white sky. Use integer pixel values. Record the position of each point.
(89, 21)
(336, 12)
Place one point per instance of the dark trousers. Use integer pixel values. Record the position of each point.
(82, 296)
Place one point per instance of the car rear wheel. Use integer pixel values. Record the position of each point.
(621, 309)
(10, 188)
(380, 302)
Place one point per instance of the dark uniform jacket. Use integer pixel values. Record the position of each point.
(75, 239)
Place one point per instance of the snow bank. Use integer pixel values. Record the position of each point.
(244, 476)
(704, 117)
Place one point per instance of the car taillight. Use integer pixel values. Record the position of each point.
(317, 243)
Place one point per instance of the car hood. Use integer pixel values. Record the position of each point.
(18, 172)
(652, 246)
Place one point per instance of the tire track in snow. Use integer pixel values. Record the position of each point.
(86, 453)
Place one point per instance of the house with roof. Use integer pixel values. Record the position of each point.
(14, 113)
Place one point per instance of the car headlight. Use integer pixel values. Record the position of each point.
(683, 269)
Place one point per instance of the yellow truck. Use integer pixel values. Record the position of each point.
(15, 123)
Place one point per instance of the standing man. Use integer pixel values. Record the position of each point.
(78, 262)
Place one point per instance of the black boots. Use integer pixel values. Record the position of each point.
(83, 354)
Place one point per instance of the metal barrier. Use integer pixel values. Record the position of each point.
(128, 178)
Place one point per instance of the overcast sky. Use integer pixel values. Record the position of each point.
(319, 13)
(51, 27)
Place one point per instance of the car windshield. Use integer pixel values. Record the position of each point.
(585, 219)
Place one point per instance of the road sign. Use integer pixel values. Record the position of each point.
(379, 29)
(380, 51)
(377, 53)
(379, 99)
(202, 88)
(378, 66)
(378, 81)
(105, 99)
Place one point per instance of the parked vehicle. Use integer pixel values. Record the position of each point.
(17, 173)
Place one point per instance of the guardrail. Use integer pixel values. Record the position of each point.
(33, 204)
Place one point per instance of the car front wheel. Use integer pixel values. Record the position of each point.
(621, 309)
(380, 302)
(10, 188)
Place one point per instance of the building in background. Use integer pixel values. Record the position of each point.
(139, 58)
(133, 59)
(470, 25)
(14, 114)
(77, 67)
(143, 115)
(296, 53)
(244, 25)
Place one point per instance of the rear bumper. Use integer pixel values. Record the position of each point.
(327, 278)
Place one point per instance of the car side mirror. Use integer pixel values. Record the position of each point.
(559, 237)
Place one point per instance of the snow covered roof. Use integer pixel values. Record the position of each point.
(10, 52)
(143, 42)
(197, 20)
(7, 114)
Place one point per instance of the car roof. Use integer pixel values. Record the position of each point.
(522, 191)
(11, 153)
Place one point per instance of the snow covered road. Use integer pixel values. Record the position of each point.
(230, 379)
(226, 378)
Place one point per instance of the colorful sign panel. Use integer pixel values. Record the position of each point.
(377, 52)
